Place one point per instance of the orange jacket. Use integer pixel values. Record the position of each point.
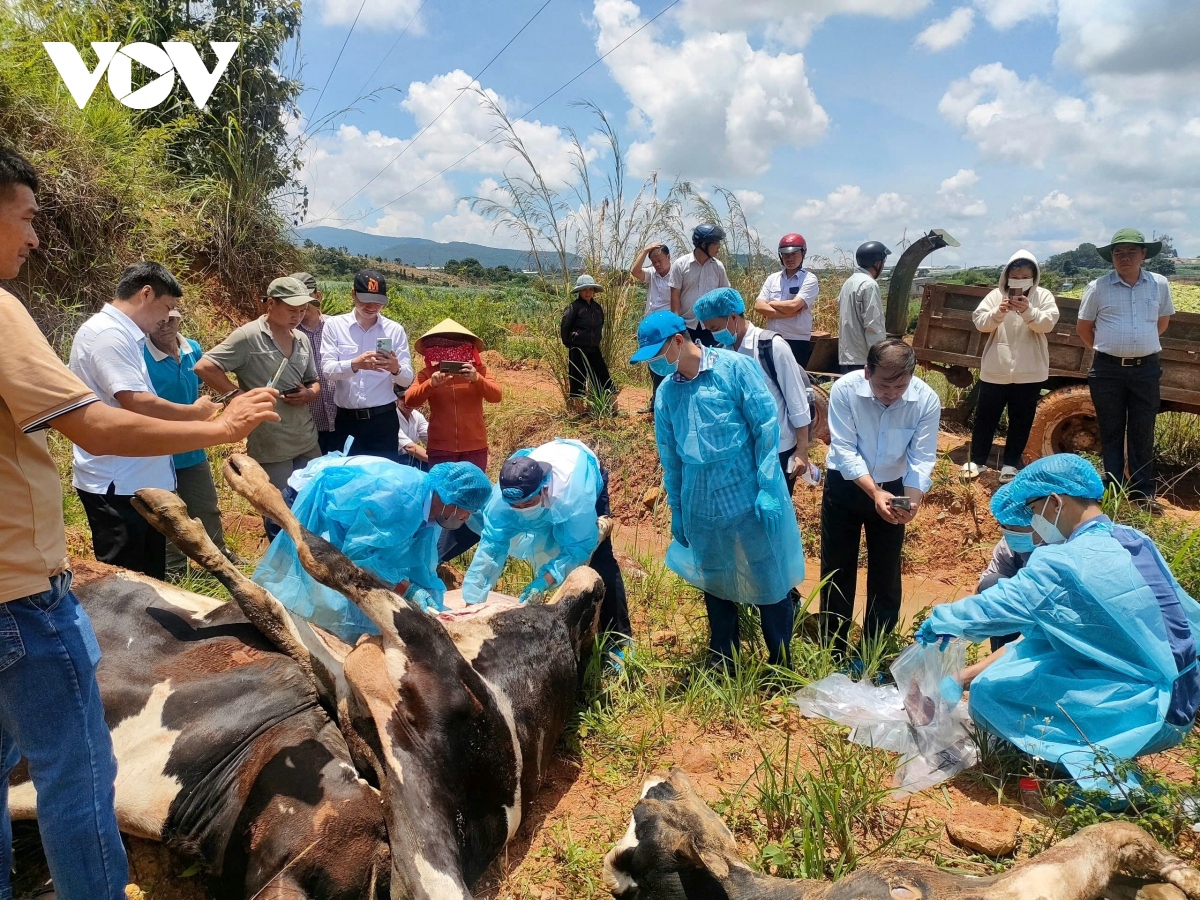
(455, 409)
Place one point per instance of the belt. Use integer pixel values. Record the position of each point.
(368, 413)
(1127, 361)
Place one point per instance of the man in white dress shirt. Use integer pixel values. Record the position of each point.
(696, 274)
(788, 296)
(108, 356)
(363, 354)
(657, 278)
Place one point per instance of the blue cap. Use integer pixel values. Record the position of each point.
(1063, 473)
(654, 331)
(719, 303)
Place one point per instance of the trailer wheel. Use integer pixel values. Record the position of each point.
(1065, 423)
(820, 419)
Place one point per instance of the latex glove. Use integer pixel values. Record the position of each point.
(533, 591)
(768, 510)
(677, 528)
(927, 637)
(425, 600)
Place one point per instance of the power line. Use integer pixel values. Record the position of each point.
(329, 77)
(443, 112)
(395, 43)
(519, 118)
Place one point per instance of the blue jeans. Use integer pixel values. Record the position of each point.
(777, 622)
(50, 713)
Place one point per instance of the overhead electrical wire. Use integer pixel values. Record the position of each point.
(329, 77)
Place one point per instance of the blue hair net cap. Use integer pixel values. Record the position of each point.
(1063, 473)
(721, 302)
(461, 484)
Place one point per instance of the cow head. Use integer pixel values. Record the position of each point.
(458, 743)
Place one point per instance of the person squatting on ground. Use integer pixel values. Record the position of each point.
(545, 511)
(1107, 656)
(170, 360)
(323, 409)
(50, 708)
(733, 528)
(883, 427)
(581, 331)
(723, 313)
(696, 274)
(657, 279)
(387, 518)
(1121, 317)
(271, 351)
(860, 307)
(108, 356)
(1016, 317)
(364, 354)
(455, 383)
(789, 296)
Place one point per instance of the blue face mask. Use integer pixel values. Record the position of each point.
(1018, 541)
(725, 337)
(659, 366)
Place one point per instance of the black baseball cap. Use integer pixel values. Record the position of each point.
(521, 477)
(368, 281)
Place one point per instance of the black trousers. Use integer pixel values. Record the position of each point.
(784, 459)
(801, 350)
(1022, 401)
(121, 537)
(777, 620)
(586, 364)
(1127, 400)
(847, 368)
(327, 440)
(376, 436)
(846, 512)
(704, 336)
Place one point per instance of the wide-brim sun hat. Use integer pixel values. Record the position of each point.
(448, 328)
(1130, 236)
(586, 281)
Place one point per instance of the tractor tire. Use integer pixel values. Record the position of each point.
(820, 419)
(1065, 423)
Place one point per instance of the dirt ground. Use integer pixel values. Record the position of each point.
(585, 803)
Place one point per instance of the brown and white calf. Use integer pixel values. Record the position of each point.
(242, 733)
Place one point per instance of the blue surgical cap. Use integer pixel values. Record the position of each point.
(461, 484)
(721, 302)
(1064, 474)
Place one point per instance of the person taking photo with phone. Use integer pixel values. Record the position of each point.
(883, 432)
(272, 352)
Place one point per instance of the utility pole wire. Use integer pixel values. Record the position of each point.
(329, 77)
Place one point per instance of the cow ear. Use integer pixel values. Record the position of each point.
(686, 850)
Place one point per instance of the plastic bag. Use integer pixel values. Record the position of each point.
(921, 717)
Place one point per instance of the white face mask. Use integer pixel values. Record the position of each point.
(1020, 284)
(1046, 530)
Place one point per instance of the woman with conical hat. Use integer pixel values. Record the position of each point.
(455, 384)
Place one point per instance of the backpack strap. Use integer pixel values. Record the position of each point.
(766, 361)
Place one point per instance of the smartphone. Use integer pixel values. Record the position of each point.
(294, 390)
(383, 345)
(900, 503)
(450, 367)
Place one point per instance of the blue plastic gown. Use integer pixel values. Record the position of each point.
(717, 437)
(375, 512)
(557, 539)
(1108, 633)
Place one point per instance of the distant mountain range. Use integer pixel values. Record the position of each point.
(413, 251)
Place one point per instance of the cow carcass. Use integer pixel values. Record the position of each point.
(676, 848)
(242, 732)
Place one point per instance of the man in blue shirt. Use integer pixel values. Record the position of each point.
(169, 360)
(1121, 317)
(883, 427)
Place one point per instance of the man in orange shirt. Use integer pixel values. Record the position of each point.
(50, 708)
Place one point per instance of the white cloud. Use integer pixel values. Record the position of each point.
(405, 223)
(466, 225)
(947, 32)
(954, 198)
(752, 203)
(786, 21)
(1004, 14)
(848, 216)
(385, 14)
(728, 122)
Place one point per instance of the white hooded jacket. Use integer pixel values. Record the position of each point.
(1016, 351)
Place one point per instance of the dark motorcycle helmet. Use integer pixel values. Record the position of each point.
(707, 233)
(870, 253)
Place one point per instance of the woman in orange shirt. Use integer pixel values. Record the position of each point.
(455, 384)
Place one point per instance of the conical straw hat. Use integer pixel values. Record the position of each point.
(448, 328)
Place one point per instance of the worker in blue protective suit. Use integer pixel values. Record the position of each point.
(733, 528)
(384, 516)
(1009, 556)
(1106, 666)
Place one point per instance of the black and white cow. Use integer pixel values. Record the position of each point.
(676, 848)
(242, 733)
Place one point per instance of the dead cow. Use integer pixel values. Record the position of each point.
(677, 848)
(240, 731)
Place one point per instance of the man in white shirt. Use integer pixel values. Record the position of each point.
(696, 274)
(883, 428)
(414, 434)
(860, 307)
(108, 356)
(657, 279)
(788, 297)
(363, 355)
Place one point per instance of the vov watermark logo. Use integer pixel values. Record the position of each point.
(173, 57)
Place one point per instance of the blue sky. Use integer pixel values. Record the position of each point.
(1010, 123)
